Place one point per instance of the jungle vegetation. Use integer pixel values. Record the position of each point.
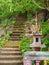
(8, 8)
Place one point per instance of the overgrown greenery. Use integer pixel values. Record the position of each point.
(45, 32)
(10, 7)
(25, 44)
(4, 26)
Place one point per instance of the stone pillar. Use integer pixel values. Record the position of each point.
(27, 62)
(37, 62)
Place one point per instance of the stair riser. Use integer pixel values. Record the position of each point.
(11, 58)
(19, 28)
(10, 53)
(15, 39)
(12, 47)
(16, 35)
(18, 31)
(10, 50)
(15, 32)
(11, 64)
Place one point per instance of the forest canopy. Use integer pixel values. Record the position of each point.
(10, 7)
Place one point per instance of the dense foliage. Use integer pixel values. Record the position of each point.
(25, 44)
(4, 26)
(10, 7)
(45, 31)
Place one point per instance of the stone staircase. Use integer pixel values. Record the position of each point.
(10, 56)
(18, 30)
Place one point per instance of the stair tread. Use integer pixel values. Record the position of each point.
(10, 56)
(10, 52)
(10, 61)
(15, 32)
(9, 48)
(14, 38)
(18, 30)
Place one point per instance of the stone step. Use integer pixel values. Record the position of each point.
(18, 28)
(9, 49)
(14, 39)
(11, 61)
(12, 46)
(18, 32)
(10, 53)
(15, 36)
(19, 25)
(10, 57)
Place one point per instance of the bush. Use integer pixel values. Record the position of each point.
(25, 44)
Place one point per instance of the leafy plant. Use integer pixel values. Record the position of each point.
(1, 41)
(5, 27)
(25, 44)
(45, 31)
(10, 7)
(29, 16)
